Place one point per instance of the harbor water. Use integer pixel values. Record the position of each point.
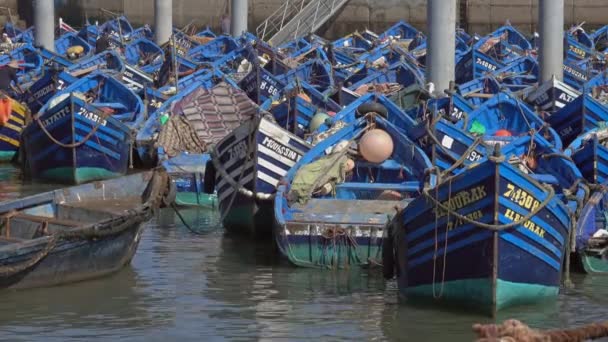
(186, 287)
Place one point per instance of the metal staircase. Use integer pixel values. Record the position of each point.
(296, 18)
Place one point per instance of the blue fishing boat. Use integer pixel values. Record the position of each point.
(187, 172)
(295, 109)
(84, 132)
(73, 47)
(550, 96)
(77, 233)
(579, 116)
(504, 118)
(144, 32)
(518, 74)
(400, 74)
(590, 154)
(479, 90)
(475, 64)
(575, 75)
(403, 33)
(213, 50)
(333, 209)
(592, 234)
(31, 64)
(352, 44)
(108, 61)
(45, 87)
(18, 35)
(145, 55)
(11, 127)
(183, 43)
(207, 32)
(493, 236)
(504, 45)
(119, 29)
(578, 45)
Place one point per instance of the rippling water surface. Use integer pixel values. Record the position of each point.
(183, 287)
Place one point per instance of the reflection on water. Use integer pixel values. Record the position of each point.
(183, 286)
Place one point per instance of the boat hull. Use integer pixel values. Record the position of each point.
(255, 155)
(72, 261)
(84, 155)
(454, 261)
(10, 133)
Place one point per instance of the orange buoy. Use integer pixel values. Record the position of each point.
(5, 110)
(376, 146)
(503, 133)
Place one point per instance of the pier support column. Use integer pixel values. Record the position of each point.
(163, 20)
(551, 30)
(239, 14)
(441, 43)
(44, 24)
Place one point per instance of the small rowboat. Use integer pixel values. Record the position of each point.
(76, 233)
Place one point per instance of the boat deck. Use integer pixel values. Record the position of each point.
(346, 211)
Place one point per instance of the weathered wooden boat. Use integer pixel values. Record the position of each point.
(108, 61)
(550, 96)
(504, 45)
(344, 227)
(474, 64)
(118, 28)
(504, 118)
(144, 32)
(76, 233)
(10, 130)
(479, 90)
(575, 75)
(295, 109)
(492, 236)
(592, 234)
(400, 74)
(145, 55)
(67, 45)
(45, 87)
(183, 43)
(590, 153)
(577, 117)
(84, 132)
(187, 172)
(600, 38)
(519, 74)
(214, 49)
(248, 163)
(207, 32)
(403, 34)
(578, 44)
(31, 64)
(352, 44)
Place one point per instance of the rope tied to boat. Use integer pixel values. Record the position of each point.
(154, 193)
(514, 330)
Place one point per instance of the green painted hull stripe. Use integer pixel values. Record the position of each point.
(478, 292)
(193, 199)
(81, 175)
(6, 156)
(594, 265)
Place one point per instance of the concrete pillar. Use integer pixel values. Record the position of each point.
(44, 24)
(551, 52)
(163, 20)
(441, 43)
(239, 14)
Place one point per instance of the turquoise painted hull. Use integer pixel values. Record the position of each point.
(79, 175)
(593, 264)
(479, 293)
(191, 199)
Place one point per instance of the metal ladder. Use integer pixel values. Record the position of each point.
(296, 18)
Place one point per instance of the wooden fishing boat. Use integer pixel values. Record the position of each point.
(31, 64)
(119, 29)
(84, 132)
(145, 55)
(592, 234)
(10, 130)
(67, 46)
(187, 172)
(108, 61)
(474, 64)
(575, 75)
(504, 45)
(579, 116)
(494, 235)
(401, 75)
(344, 227)
(214, 49)
(404, 34)
(248, 163)
(550, 96)
(76, 233)
(519, 74)
(578, 44)
(479, 90)
(504, 118)
(590, 153)
(46, 87)
(295, 109)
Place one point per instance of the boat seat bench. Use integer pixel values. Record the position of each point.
(404, 187)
